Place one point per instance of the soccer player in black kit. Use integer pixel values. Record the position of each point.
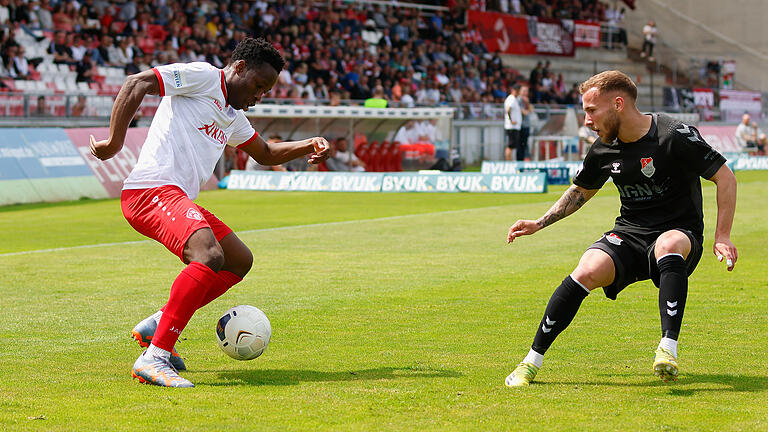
(655, 163)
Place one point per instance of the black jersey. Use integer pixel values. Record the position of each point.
(657, 176)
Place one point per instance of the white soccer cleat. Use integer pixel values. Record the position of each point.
(143, 333)
(149, 369)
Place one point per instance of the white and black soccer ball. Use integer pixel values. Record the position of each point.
(243, 332)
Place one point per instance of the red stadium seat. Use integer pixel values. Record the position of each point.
(381, 157)
(156, 32)
(384, 156)
(361, 147)
(33, 73)
(364, 153)
(118, 26)
(56, 105)
(372, 164)
(10, 84)
(397, 157)
(16, 106)
(360, 139)
(147, 45)
(393, 161)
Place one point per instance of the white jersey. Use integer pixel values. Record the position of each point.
(190, 129)
(512, 109)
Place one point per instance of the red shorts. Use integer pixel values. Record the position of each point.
(167, 215)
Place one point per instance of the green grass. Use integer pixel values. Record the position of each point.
(379, 323)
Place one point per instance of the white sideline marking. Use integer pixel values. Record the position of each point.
(283, 228)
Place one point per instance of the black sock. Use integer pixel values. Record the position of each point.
(561, 309)
(673, 290)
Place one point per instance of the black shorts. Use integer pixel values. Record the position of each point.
(634, 259)
(513, 137)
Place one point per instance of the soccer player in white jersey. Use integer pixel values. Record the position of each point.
(200, 113)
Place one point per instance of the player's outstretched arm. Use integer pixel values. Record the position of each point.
(572, 200)
(278, 153)
(126, 103)
(726, 208)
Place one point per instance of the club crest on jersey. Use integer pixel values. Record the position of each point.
(194, 214)
(647, 167)
(613, 238)
(615, 167)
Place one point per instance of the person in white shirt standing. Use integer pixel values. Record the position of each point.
(650, 33)
(201, 112)
(513, 120)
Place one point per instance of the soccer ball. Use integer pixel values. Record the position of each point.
(243, 332)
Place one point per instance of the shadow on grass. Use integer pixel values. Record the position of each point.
(686, 385)
(280, 377)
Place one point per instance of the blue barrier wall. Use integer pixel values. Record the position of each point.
(43, 165)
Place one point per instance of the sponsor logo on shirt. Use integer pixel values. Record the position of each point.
(218, 105)
(616, 167)
(179, 78)
(214, 132)
(647, 167)
(194, 214)
(644, 191)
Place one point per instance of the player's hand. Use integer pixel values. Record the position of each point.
(102, 149)
(322, 150)
(521, 228)
(724, 249)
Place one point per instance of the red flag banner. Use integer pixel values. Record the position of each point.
(510, 34)
(505, 33)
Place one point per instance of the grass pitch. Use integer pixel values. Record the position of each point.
(389, 312)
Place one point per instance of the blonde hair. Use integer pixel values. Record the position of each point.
(609, 81)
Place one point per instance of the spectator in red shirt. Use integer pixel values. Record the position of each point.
(63, 17)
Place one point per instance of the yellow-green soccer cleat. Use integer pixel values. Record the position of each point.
(522, 376)
(665, 365)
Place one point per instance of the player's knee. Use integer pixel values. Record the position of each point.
(595, 269)
(672, 242)
(586, 278)
(213, 257)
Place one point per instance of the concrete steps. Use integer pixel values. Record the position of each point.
(587, 62)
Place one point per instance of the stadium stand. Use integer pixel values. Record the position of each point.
(76, 55)
(349, 48)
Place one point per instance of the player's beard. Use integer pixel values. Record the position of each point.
(611, 128)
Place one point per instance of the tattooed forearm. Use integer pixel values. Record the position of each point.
(571, 201)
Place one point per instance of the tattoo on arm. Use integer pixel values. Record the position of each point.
(571, 201)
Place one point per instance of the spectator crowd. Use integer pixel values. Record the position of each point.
(334, 51)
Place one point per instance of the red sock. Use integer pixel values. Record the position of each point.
(187, 291)
(225, 281)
